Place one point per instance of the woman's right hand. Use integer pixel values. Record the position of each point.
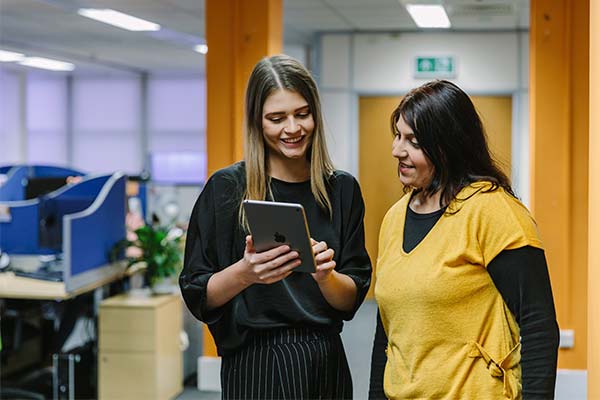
(268, 266)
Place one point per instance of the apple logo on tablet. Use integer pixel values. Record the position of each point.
(279, 238)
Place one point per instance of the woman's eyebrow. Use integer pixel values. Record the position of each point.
(275, 113)
(283, 112)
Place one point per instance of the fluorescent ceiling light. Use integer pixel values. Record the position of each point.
(428, 16)
(201, 48)
(10, 56)
(47, 63)
(118, 19)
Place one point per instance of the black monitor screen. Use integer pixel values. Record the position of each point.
(40, 186)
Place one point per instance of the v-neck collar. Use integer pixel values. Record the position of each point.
(431, 231)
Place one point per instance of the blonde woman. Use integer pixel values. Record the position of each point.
(276, 330)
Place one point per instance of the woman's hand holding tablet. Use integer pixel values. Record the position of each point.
(269, 266)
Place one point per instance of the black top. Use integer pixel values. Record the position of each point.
(216, 240)
(418, 226)
(521, 277)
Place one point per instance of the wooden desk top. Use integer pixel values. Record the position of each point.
(18, 287)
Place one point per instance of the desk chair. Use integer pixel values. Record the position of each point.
(30, 375)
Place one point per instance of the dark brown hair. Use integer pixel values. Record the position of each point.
(449, 130)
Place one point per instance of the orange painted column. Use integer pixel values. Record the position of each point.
(238, 34)
(593, 361)
(559, 87)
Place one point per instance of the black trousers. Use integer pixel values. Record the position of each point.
(290, 363)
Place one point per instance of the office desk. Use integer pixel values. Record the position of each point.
(18, 287)
(49, 340)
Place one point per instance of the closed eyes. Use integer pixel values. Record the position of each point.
(411, 139)
(277, 119)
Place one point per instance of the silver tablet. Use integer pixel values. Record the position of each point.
(273, 224)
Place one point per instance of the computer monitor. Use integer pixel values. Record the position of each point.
(39, 186)
(51, 213)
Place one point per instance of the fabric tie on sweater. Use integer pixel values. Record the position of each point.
(501, 368)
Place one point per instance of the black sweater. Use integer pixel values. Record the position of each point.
(521, 277)
(216, 240)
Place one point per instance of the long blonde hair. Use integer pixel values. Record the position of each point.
(270, 74)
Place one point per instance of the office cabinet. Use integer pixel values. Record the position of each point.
(139, 347)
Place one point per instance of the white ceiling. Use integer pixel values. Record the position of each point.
(52, 28)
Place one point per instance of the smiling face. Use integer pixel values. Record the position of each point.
(414, 168)
(288, 126)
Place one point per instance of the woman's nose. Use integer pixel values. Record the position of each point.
(292, 125)
(397, 148)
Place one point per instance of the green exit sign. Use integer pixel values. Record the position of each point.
(435, 67)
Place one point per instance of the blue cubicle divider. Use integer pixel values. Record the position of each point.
(14, 187)
(90, 235)
(52, 170)
(20, 228)
(143, 196)
(87, 235)
(89, 186)
(5, 168)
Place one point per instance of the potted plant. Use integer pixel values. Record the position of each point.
(159, 249)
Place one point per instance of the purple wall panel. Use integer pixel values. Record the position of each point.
(47, 119)
(178, 167)
(177, 141)
(107, 151)
(47, 147)
(106, 104)
(177, 124)
(46, 103)
(10, 146)
(177, 105)
(107, 125)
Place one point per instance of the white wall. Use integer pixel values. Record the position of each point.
(486, 63)
(351, 65)
(520, 143)
(298, 52)
(334, 73)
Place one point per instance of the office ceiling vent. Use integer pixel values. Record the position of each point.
(480, 10)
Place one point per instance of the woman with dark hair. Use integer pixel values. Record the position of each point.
(278, 331)
(465, 302)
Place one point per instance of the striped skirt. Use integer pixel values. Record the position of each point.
(289, 363)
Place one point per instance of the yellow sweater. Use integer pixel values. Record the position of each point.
(450, 334)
